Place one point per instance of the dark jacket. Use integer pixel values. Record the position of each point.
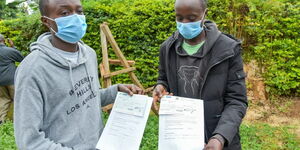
(222, 83)
(8, 57)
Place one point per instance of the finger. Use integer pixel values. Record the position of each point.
(127, 90)
(139, 90)
(160, 94)
(208, 147)
(155, 93)
(154, 111)
(158, 101)
(154, 106)
(154, 103)
(143, 92)
(133, 88)
(159, 98)
(163, 94)
(171, 94)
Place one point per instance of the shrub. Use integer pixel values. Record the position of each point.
(269, 30)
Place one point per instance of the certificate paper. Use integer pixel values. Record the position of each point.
(126, 123)
(181, 124)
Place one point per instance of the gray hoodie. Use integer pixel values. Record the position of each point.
(57, 104)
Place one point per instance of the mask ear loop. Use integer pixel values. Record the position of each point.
(202, 22)
(50, 26)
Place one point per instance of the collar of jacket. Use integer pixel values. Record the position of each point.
(213, 54)
(212, 36)
(212, 33)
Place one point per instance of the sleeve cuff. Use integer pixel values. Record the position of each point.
(114, 91)
(220, 138)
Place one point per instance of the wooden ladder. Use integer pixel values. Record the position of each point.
(106, 74)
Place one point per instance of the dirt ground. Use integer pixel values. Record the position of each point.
(287, 113)
(277, 111)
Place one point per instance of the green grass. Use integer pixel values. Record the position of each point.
(258, 136)
(263, 136)
(7, 140)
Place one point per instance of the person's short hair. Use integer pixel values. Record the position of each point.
(203, 4)
(2, 39)
(43, 7)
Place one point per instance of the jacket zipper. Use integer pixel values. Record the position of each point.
(205, 126)
(206, 73)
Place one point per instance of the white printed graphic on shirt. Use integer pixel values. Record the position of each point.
(189, 75)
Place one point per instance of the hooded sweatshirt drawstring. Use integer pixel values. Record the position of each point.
(71, 76)
(88, 75)
(43, 44)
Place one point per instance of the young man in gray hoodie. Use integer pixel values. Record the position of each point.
(58, 94)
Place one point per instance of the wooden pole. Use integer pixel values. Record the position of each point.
(119, 53)
(107, 81)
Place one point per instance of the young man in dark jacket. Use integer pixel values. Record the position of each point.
(198, 61)
(8, 57)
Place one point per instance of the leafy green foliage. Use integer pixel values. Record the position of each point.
(136, 32)
(253, 137)
(270, 33)
(10, 10)
(269, 30)
(23, 31)
(7, 140)
(278, 47)
(284, 71)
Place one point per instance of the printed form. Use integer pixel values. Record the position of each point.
(126, 124)
(181, 124)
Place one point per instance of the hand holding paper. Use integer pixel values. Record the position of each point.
(126, 123)
(181, 124)
(158, 92)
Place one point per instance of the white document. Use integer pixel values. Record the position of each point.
(126, 124)
(181, 124)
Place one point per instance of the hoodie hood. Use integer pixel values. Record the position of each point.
(60, 107)
(44, 45)
(212, 34)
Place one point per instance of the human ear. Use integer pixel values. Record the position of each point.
(45, 21)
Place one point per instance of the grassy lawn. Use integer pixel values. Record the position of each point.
(256, 136)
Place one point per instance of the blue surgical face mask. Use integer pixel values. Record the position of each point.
(70, 28)
(191, 29)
